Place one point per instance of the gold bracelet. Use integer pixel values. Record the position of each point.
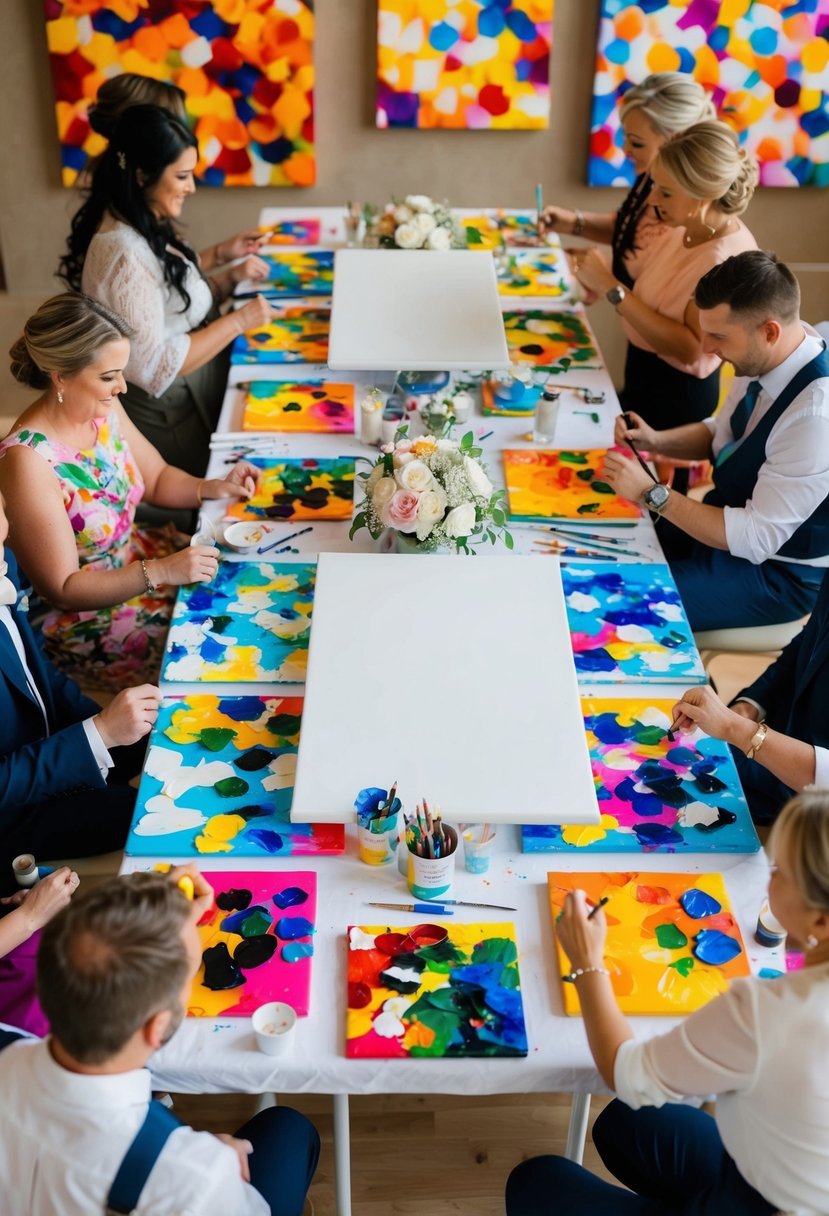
(200, 491)
(578, 223)
(757, 741)
(148, 582)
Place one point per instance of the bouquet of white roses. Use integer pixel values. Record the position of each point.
(435, 491)
(416, 223)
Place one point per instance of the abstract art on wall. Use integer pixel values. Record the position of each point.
(764, 65)
(433, 991)
(553, 341)
(293, 335)
(308, 406)
(533, 272)
(309, 488)
(249, 625)
(300, 273)
(562, 485)
(627, 623)
(464, 64)
(245, 66)
(257, 943)
(655, 794)
(672, 940)
(292, 232)
(219, 778)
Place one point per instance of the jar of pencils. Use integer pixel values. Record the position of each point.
(432, 846)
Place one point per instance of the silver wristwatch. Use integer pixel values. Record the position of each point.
(656, 498)
(616, 295)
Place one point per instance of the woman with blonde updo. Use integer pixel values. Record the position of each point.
(73, 470)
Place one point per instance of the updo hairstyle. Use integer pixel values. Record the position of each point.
(131, 89)
(707, 162)
(63, 336)
(671, 102)
(801, 831)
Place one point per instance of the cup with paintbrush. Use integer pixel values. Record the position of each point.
(432, 846)
(477, 847)
(378, 812)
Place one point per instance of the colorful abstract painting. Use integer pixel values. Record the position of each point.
(464, 64)
(764, 64)
(533, 272)
(672, 941)
(308, 406)
(219, 778)
(300, 273)
(500, 228)
(246, 68)
(434, 991)
(655, 794)
(292, 232)
(509, 399)
(250, 625)
(257, 943)
(294, 335)
(628, 624)
(307, 488)
(554, 341)
(562, 485)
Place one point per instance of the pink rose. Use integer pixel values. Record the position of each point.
(404, 445)
(401, 511)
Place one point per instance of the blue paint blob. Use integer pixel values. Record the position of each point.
(716, 948)
(241, 709)
(607, 728)
(290, 897)
(699, 903)
(270, 841)
(595, 660)
(770, 973)
(657, 836)
(212, 651)
(234, 922)
(443, 36)
(482, 975)
(291, 927)
(505, 1001)
(295, 951)
(682, 757)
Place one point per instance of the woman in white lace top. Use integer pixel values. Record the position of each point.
(124, 251)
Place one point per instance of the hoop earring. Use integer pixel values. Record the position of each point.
(60, 397)
(811, 942)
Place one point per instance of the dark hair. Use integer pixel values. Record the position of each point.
(131, 89)
(146, 140)
(752, 284)
(110, 961)
(64, 335)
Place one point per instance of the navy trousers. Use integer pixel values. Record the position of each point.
(720, 591)
(672, 1159)
(286, 1149)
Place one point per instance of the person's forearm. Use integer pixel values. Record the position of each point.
(689, 442)
(206, 343)
(174, 488)
(223, 283)
(699, 520)
(606, 1025)
(667, 337)
(88, 589)
(15, 929)
(598, 226)
(790, 760)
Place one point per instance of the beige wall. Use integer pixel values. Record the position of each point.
(356, 161)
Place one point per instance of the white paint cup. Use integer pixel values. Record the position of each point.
(274, 1026)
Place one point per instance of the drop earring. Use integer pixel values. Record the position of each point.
(60, 397)
(811, 942)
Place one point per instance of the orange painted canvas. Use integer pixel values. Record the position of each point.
(552, 341)
(561, 484)
(672, 940)
(309, 406)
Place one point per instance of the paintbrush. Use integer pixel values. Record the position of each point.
(283, 539)
(608, 555)
(435, 909)
(632, 447)
(462, 903)
(605, 899)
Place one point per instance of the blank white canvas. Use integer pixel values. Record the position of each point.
(452, 675)
(404, 310)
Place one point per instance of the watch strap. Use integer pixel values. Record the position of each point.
(757, 740)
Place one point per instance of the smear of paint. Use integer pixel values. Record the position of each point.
(236, 921)
(220, 971)
(270, 841)
(699, 903)
(294, 951)
(215, 738)
(290, 897)
(218, 831)
(235, 898)
(683, 965)
(715, 948)
(291, 927)
(254, 951)
(254, 760)
(231, 787)
(670, 937)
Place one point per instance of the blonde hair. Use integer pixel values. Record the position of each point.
(707, 162)
(671, 102)
(63, 336)
(130, 89)
(802, 831)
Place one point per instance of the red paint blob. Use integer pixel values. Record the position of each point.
(395, 943)
(359, 995)
(493, 100)
(428, 935)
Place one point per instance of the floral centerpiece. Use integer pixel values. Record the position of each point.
(416, 223)
(434, 492)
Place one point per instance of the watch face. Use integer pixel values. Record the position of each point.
(656, 497)
(616, 295)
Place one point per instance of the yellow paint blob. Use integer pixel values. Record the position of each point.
(218, 830)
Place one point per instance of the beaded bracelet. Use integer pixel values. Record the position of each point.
(578, 972)
(148, 582)
(578, 223)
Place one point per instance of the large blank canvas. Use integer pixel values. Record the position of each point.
(459, 682)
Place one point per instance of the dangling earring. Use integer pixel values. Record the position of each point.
(60, 397)
(811, 942)
(711, 230)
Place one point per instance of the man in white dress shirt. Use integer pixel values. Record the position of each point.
(114, 972)
(755, 550)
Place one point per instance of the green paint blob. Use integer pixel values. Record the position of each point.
(218, 624)
(214, 738)
(231, 787)
(601, 487)
(572, 458)
(256, 924)
(670, 937)
(649, 736)
(683, 965)
(495, 950)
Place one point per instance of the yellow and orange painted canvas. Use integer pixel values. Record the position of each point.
(672, 941)
(562, 484)
(309, 406)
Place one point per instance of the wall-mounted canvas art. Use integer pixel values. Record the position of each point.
(246, 68)
(764, 65)
(250, 625)
(257, 943)
(627, 623)
(562, 485)
(294, 335)
(300, 273)
(434, 991)
(308, 488)
(219, 778)
(655, 795)
(533, 272)
(307, 406)
(464, 64)
(553, 341)
(292, 232)
(672, 940)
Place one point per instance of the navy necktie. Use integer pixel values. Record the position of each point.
(744, 408)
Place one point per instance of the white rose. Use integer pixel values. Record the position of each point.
(424, 222)
(383, 491)
(416, 476)
(400, 459)
(460, 521)
(420, 202)
(402, 215)
(430, 511)
(479, 483)
(447, 445)
(408, 237)
(440, 239)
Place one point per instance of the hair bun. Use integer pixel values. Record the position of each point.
(102, 121)
(741, 191)
(23, 367)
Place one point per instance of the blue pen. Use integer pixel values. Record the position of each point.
(430, 909)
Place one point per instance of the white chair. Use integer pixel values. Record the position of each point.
(756, 639)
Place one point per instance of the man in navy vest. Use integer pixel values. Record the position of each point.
(755, 550)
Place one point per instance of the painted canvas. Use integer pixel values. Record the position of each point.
(294, 335)
(246, 68)
(300, 273)
(434, 991)
(250, 625)
(764, 65)
(672, 940)
(554, 341)
(655, 794)
(628, 624)
(500, 228)
(294, 406)
(292, 232)
(464, 64)
(307, 488)
(509, 399)
(219, 778)
(533, 272)
(562, 485)
(257, 943)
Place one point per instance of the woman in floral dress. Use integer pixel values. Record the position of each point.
(73, 471)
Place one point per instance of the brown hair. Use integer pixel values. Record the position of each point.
(802, 830)
(130, 89)
(110, 960)
(707, 162)
(754, 285)
(64, 335)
